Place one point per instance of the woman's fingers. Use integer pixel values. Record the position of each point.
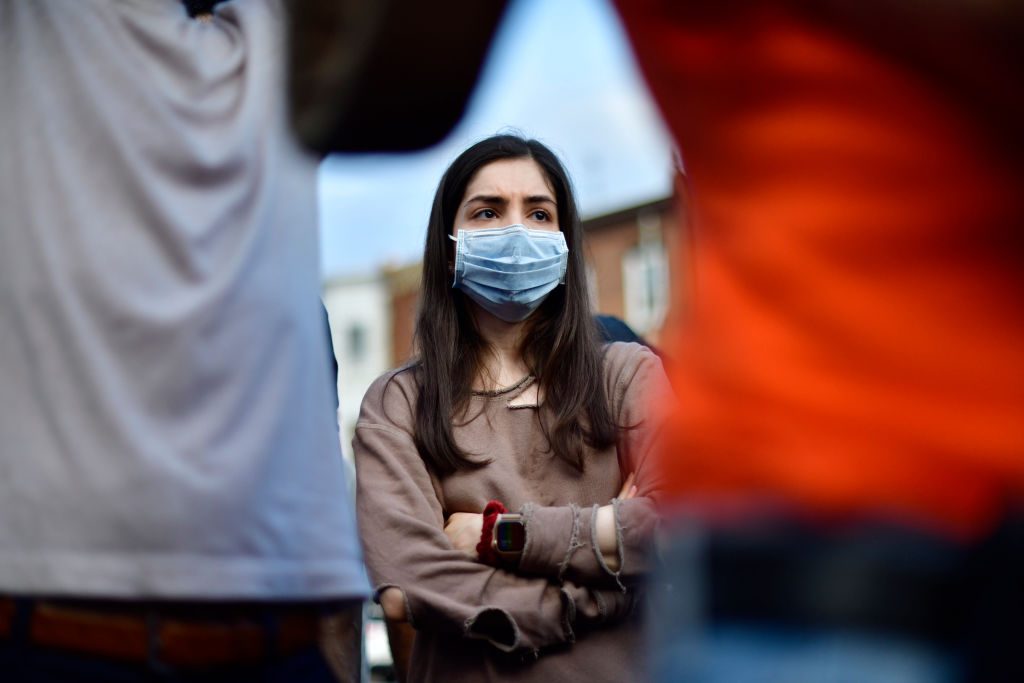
(628, 490)
(463, 529)
(392, 601)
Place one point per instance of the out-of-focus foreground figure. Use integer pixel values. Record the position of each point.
(173, 503)
(851, 365)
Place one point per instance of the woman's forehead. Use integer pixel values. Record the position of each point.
(519, 176)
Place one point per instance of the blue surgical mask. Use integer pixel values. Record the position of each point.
(509, 271)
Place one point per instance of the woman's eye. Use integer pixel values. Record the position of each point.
(486, 213)
(539, 215)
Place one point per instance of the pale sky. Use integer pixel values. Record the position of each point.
(559, 71)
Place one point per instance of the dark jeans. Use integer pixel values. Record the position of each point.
(787, 602)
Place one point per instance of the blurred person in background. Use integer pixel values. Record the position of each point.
(848, 461)
(173, 502)
(505, 498)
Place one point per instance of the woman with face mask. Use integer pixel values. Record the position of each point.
(505, 494)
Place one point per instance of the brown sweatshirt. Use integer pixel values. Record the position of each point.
(561, 615)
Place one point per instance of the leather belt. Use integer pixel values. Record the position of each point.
(145, 633)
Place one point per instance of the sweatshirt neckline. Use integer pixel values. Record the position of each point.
(509, 392)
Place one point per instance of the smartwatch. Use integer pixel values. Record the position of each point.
(508, 538)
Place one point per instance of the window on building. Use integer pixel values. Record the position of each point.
(592, 291)
(645, 278)
(356, 340)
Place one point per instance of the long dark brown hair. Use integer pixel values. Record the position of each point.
(560, 343)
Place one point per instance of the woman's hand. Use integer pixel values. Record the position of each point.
(392, 602)
(628, 488)
(607, 535)
(463, 530)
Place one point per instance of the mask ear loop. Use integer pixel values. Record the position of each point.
(565, 258)
(453, 265)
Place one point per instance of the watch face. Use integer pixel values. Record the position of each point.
(510, 537)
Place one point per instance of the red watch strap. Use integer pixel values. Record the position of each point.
(483, 549)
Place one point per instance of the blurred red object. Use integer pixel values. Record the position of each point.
(854, 337)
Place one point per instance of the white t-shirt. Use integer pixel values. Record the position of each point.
(166, 421)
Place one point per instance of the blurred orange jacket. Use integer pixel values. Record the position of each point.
(853, 338)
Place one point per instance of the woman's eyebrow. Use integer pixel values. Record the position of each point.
(487, 199)
(498, 200)
(541, 199)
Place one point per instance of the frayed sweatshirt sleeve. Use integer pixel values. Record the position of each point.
(562, 541)
(402, 526)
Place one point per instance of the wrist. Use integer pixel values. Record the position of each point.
(392, 603)
(485, 548)
(607, 536)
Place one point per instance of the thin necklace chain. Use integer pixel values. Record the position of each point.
(521, 384)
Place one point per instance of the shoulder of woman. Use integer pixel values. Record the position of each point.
(620, 357)
(391, 398)
(627, 362)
